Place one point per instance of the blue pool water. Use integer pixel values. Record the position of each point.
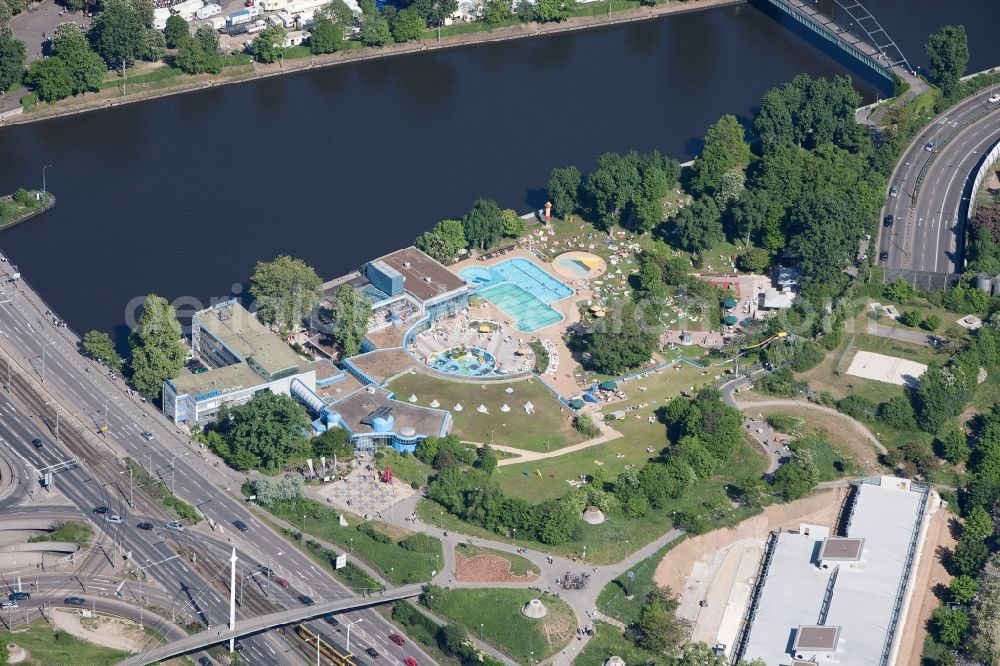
(521, 289)
(575, 265)
(470, 362)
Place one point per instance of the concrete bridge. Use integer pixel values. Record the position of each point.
(855, 31)
(261, 623)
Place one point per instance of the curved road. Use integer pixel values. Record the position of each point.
(929, 216)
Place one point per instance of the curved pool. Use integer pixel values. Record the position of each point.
(520, 288)
(465, 361)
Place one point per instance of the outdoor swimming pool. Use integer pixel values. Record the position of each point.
(521, 289)
(468, 361)
(575, 266)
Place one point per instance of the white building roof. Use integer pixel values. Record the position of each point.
(862, 600)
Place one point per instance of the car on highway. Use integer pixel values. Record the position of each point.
(113, 518)
(893, 191)
(372, 652)
(8, 606)
(174, 526)
(37, 443)
(281, 581)
(883, 256)
(331, 620)
(100, 510)
(75, 601)
(994, 98)
(306, 600)
(145, 526)
(889, 220)
(410, 661)
(147, 435)
(240, 525)
(929, 146)
(397, 639)
(19, 596)
(267, 571)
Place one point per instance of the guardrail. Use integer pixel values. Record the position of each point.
(984, 168)
(948, 139)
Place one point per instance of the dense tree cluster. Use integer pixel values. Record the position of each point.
(948, 53)
(263, 434)
(286, 290)
(444, 241)
(157, 350)
(99, 346)
(199, 54)
(351, 312)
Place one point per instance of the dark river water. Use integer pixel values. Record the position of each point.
(181, 196)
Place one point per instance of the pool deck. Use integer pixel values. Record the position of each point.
(562, 381)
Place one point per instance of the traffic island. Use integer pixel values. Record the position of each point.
(23, 205)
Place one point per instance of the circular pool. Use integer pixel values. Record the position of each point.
(465, 361)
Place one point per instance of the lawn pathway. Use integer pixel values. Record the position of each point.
(529, 456)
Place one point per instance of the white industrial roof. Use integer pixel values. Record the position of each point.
(862, 600)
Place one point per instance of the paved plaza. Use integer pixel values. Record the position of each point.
(361, 492)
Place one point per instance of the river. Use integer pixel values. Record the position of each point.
(182, 195)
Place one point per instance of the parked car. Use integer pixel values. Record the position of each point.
(19, 596)
(240, 525)
(889, 220)
(174, 526)
(101, 510)
(397, 639)
(883, 256)
(145, 526)
(281, 581)
(410, 661)
(372, 652)
(37, 443)
(306, 600)
(75, 601)
(893, 191)
(113, 518)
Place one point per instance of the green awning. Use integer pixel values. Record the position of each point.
(576, 403)
(729, 303)
(609, 385)
(730, 320)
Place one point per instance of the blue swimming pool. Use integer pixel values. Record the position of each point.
(467, 361)
(521, 289)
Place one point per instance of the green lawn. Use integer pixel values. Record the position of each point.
(609, 641)
(398, 564)
(547, 429)
(831, 462)
(404, 466)
(519, 566)
(71, 532)
(495, 615)
(12, 211)
(57, 648)
(613, 600)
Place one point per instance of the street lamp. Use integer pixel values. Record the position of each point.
(43, 179)
(349, 625)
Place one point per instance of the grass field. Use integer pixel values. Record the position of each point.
(613, 600)
(831, 462)
(398, 564)
(404, 466)
(547, 429)
(57, 648)
(609, 641)
(843, 441)
(519, 566)
(494, 614)
(71, 532)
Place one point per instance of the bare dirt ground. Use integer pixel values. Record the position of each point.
(487, 569)
(837, 428)
(930, 574)
(716, 567)
(102, 630)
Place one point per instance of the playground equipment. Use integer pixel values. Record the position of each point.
(779, 334)
(387, 475)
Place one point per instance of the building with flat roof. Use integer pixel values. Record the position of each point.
(244, 357)
(827, 599)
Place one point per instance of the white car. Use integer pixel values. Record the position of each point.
(174, 525)
(113, 518)
(994, 98)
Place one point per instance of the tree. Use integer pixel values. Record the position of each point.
(407, 25)
(118, 34)
(661, 482)
(351, 312)
(268, 44)
(157, 350)
(612, 186)
(99, 346)
(962, 589)
(511, 224)
(731, 188)
(564, 190)
(208, 39)
(435, 11)
(12, 57)
(190, 57)
(444, 241)
(496, 11)
(694, 452)
(375, 30)
(659, 627)
(754, 260)
(954, 447)
(434, 246)
(4, 652)
(978, 524)
(796, 478)
(85, 67)
(286, 290)
(900, 291)
(897, 412)
(969, 556)
(6, 14)
(622, 343)
(553, 10)
(949, 626)
(264, 433)
(50, 78)
(725, 149)
(699, 226)
(327, 34)
(931, 323)
(333, 442)
(483, 224)
(647, 200)
(948, 53)
(910, 318)
(828, 227)
(175, 30)
(486, 459)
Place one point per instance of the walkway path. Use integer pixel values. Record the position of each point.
(529, 456)
(916, 337)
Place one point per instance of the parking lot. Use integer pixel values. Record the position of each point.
(37, 24)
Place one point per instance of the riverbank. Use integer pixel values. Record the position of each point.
(14, 211)
(143, 91)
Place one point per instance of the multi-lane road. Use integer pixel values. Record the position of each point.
(86, 398)
(932, 179)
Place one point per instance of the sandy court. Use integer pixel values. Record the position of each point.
(110, 632)
(930, 574)
(719, 566)
(887, 369)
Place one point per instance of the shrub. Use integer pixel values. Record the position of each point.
(858, 407)
(585, 424)
(931, 323)
(909, 318)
